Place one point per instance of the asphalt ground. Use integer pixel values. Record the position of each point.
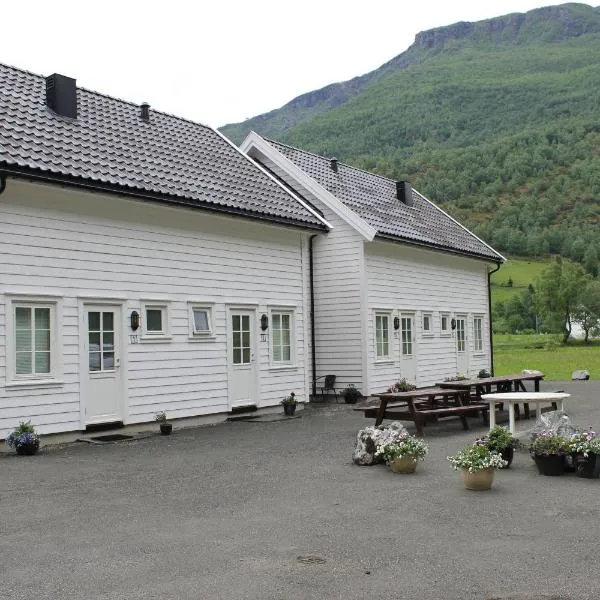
(276, 510)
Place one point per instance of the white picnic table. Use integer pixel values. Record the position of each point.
(511, 398)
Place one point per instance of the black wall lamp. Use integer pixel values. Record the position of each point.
(453, 324)
(264, 322)
(396, 322)
(135, 320)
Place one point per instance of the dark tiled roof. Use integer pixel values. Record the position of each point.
(373, 198)
(109, 145)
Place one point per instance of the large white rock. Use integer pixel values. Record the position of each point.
(581, 374)
(370, 437)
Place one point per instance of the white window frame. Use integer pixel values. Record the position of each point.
(199, 336)
(481, 349)
(283, 310)
(384, 358)
(427, 332)
(53, 377)
(448, 317)
(164, 307)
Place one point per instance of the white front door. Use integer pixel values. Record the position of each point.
(462, 357)
(242, 365)
(408, 359)
(103, 401)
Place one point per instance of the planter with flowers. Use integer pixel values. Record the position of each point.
(289, 404)
(24, 439)
(478, 465)
(549, 450)
(402, 385)
(165, 427)
(585, 448)
(501, 440)
(403, 454)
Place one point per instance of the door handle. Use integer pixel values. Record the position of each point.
(117, 362)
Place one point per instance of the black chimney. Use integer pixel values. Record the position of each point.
(404, 192)
(61, 95)
(145, 111)
(334, 164)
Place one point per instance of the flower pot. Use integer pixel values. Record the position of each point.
(350, 399)
(507, 455)
(407, 464)
(289, 409)
(588, 467)
(166, 428)
(550, 464)
(28, 449)
(478, 480)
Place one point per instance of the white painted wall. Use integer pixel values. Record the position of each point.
(74, 244)
(404, 278)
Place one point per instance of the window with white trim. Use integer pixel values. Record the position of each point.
(155, 322)
(445, 323)
(282, 329)
(200, 320)
(427, 324)
(31, 343)
(382, 336)
(478, 334)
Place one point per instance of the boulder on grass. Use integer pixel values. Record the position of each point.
(580, 375)
(370, 437)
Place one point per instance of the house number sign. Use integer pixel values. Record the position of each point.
(263, 337)
(134, 339)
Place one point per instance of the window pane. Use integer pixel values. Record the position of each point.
(237, 339)
(444, 323)
(107, 321)
(22, 318)
(42, 318)
(94, 321)
(277, 353)
(235, 322)
(276, 321)
(23, 340)
(286, 353)
(94, 361)
(200, 320)
(23, 363)
(246, 339)
(285, 337)
(276, 337)
(237, 356)
(42, 340)
(154, 319)
(426, 324)
(245, 323)
(285, 321)
(246, 355)
(109, 360)
(42, 362)
(108, 342)
(94, 340)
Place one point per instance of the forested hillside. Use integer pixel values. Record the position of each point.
(497, 121)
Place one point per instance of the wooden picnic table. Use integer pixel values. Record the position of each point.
(425, 405)
(502, 383)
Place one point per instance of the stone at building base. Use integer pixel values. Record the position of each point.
(370, 437)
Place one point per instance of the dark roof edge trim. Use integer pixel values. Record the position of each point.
(95, 186)
(438, 248)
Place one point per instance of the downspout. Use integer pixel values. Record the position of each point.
(2, 183)
(489, 283)
(312, 315)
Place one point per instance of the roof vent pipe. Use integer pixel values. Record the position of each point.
(334, 165)
(404, 192)
(61, 95)
(145, 111)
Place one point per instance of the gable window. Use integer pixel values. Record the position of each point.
(427, 324)
(478, 334)
(155, 321)
(31, 341)
(445, 323)
(281, 336)
(382, 336)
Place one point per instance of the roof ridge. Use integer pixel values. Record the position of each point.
(114, 98)
(325, 158)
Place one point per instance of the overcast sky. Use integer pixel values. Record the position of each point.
(222, 61)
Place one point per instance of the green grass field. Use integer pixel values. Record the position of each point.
(513, 353)
(521, 271)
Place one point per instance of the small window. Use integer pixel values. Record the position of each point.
(445, 323)
(155, 324)
(478, 334)
(281, 337)
(382, 336)
(201, 320)
(32, 341)
(427, 324)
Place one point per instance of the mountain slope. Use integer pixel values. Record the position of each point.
(498, 120)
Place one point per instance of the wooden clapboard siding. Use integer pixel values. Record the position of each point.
(75, 244)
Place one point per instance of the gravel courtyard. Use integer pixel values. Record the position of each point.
(277, 511)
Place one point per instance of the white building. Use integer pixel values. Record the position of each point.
(400, 288)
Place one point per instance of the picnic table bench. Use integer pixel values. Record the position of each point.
(425, 405)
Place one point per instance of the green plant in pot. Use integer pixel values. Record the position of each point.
(165, 427)
(351, 394)
(549, 451)
(478, 465)
(585, 449)
(403, 454)
(24, 439)
(483, 374)
(289, 404)
(502, 441)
